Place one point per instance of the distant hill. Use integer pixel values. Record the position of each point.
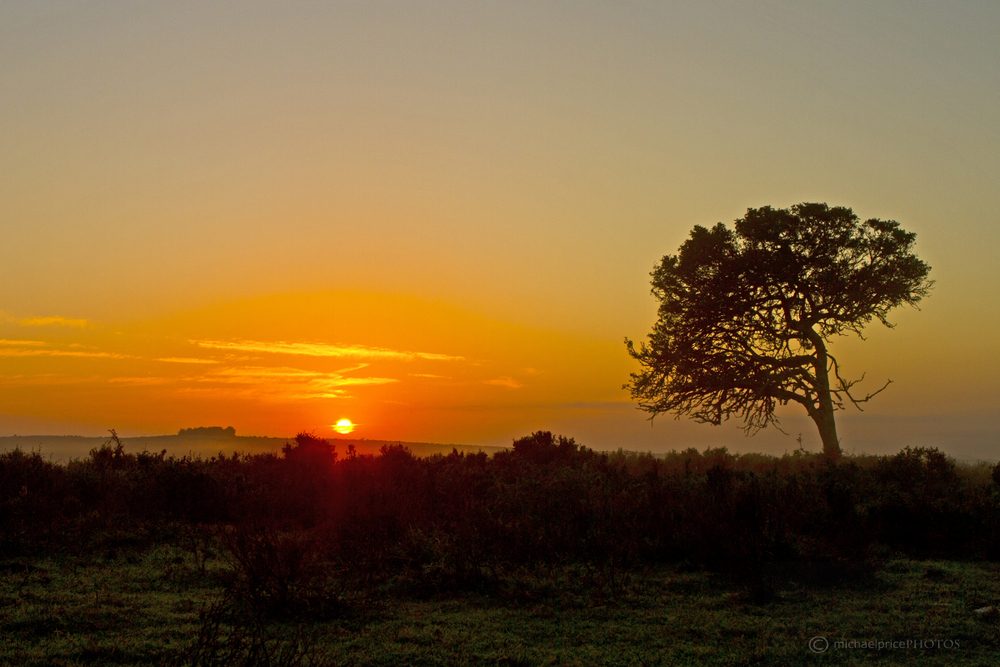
(211, 431)
(206, 442)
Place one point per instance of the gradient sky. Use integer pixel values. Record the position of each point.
(438, 219)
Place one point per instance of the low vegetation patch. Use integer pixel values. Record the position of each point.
(548, 553)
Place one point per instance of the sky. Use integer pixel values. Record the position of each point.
(438, 219)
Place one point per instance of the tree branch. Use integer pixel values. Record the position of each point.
(845, 386)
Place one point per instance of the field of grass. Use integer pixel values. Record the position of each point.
(143, 609)
(138, 609)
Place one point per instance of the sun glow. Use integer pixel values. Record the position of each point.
(343, 426)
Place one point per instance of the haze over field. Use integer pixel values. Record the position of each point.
(438, 220)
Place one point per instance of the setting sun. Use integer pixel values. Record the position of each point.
(343, 426)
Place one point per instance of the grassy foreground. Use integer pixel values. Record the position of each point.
(143, 609)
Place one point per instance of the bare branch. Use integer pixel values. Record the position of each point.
(846, 385)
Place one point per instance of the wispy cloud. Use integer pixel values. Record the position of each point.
(17, 352)
(47, 379)
(141, 381)
(350, 369)
(187, 360)
(508, 382)
(51, 322)
(257, 374)
(347, 382)
(323, 350)
(280, 383)
(37, 348)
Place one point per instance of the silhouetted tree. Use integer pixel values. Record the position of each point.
(745, 316)
(310, 451)
(542, 447)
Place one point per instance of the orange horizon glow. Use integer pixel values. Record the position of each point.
(406, 367)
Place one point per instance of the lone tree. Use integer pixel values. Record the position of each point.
(746, 316)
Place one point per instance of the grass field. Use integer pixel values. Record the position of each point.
(143, 609)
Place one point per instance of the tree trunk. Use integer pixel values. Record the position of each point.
(827, 430)
(823, 413)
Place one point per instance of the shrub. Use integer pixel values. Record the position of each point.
(232, 634)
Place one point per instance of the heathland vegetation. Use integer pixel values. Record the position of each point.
(315, 556)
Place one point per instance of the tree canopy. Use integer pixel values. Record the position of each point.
(746, 315)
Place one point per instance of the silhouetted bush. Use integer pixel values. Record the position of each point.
(233, 634)
(542, 447)
(34, 501)
(294, 574)
(308, 530)
(920, 503)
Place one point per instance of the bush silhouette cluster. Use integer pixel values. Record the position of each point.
(312, 532)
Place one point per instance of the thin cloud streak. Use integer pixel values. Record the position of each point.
(508, 382)
(9, 352)
(186, 360)
(323, 350)
(278, 383)
(256, 374)
(47, 379)
(52, 322)
(347, 382)
(141, 381)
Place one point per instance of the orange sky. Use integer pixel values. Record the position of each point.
(398, 367)
(438, 220)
